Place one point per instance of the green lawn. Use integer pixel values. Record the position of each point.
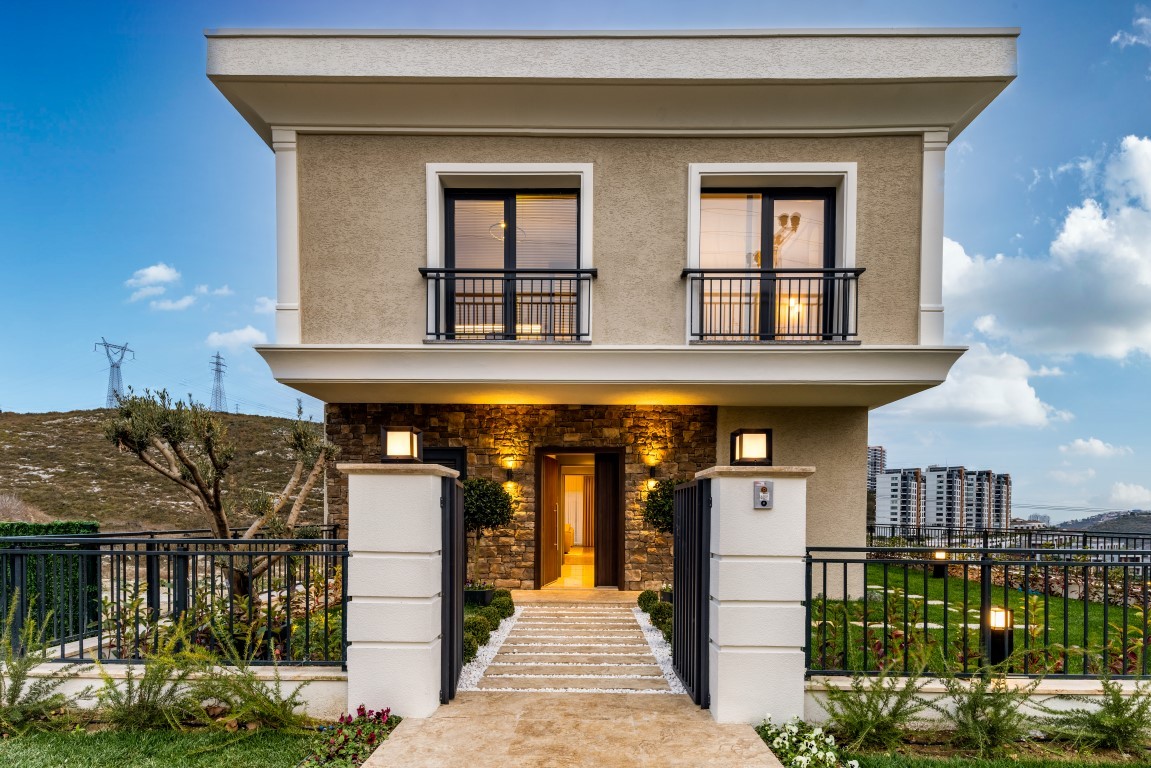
(155, 749)
(935, 609)
(899, 761)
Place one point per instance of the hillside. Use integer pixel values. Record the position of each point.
(60, 464)
(1136, 521)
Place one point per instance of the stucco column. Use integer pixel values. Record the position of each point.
(931, 242)
(287, 238)
(394, 583)
(755, 660)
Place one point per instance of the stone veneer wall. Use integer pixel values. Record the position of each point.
(680, 439)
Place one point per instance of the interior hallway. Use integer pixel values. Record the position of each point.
(577, 571)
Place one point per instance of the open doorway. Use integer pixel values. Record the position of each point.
(578, 519)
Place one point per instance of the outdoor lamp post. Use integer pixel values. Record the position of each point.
(751, 447)
(939, 568)
(1001, 637)
(402, 444)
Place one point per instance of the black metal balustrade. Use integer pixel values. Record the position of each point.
(547, 305)
(1040, 611)
(112, 598)
(1115, 543)
(778, 305)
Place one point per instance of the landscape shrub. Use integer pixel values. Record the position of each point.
(875, 711)
(351, 740)
(661, 614)
(493, 616)
(320, 638)
(647, 599)
(666, 630)
(479, 627)
(1115, 720)
(54, 581)
(659, 506)
(471, 647)
(26, 702)
(987, 714)
(800, 745)
(504, 605)
(502, 593)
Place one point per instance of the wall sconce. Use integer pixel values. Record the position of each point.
(1001, 641)
(939, 569)
(508, 474)
(651, 481)
(751, 447)
(402, 444)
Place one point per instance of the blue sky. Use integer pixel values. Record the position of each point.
(117, 155)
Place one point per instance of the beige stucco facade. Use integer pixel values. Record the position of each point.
(363, 227)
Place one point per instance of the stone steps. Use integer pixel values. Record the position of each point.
(566, 683)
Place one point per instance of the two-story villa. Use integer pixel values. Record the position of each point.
(578, 261)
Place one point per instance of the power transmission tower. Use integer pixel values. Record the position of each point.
(115, 353)
(219, 400)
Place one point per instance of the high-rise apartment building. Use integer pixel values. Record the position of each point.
(876, 464)
(1001, 502)
(977, 492)
(944, 496)
(899, 496)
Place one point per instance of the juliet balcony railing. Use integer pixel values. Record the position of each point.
(541, 305)
(773, 305)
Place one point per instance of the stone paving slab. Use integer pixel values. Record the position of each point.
(521, 667)
(571, 730)
(615, 682)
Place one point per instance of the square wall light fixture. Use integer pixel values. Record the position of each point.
(751, 447)
(402, 444)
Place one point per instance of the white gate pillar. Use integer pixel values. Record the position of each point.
(758, 585)
(394, 584)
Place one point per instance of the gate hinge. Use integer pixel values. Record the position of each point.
(443, 502)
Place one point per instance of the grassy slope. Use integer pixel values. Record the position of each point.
(154, 749)
(61, 464)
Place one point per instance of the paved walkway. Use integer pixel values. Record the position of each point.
(561, 692)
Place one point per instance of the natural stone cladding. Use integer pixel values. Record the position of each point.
(681, 440)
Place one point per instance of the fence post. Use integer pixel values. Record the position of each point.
(152, 576)
(984, 605)
(180, 581)
(20, 590)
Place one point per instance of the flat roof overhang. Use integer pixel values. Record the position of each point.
(726, 82)
(791, 375)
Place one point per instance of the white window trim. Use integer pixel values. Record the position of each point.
(582, 178)
(581, 174)
(842, 176)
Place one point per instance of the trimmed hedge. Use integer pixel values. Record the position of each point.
(479, 627)
(61, 576)
(502, 593)
(661, 614)
(493, 616)
(647, 599)
(504, 605)
(471, 647)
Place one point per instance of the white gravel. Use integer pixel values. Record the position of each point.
(660, 649)
(472, 672)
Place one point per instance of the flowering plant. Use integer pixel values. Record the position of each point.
(473, 584)
(666, 587)
(350, 742)
(800, 745)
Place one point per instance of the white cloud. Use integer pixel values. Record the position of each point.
(223, 290)
(984, 388)
(1089, 295)
(1093, 446)
(1140, 35)
(201, 290)
(264, 306)
(241, 338)
(168, 305)
(1071, 477)
(146, 291)
(157, 274)
(1130, 496)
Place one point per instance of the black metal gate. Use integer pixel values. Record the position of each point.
(452, 590)
(692, 581)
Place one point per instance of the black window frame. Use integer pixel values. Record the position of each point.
(508, 270)
(768, 198)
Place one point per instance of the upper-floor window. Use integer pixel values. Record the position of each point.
(508, 257)
(771, 262)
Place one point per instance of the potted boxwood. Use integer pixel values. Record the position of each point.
(478, 592)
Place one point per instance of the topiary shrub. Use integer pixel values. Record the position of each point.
(504, 605)
(486, 505)
(471, 646)
(666, 629)
(502, 593)
(479, 627)
(493, 616)
(647, 599)
(661, 614)
(659, 506)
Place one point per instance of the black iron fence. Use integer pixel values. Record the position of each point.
(691, 582)
(880, 535)
(802, 305)
(114, 598)
(1040, 611)
(509, 304)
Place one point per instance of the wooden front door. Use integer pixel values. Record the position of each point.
(548, 541)
(608, 521)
